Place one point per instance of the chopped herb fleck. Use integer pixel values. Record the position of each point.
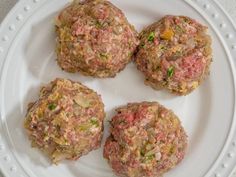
(172, 149)
(94, 122)
(158, 67)
(142, 45)
(122, 122)
(179, 29)
(162, 47)
(150, 157)
(186, 20)
(52, 106)
(151, 37)
(142, 152)
(84, 127)
(178, 53)
(130, 54)
(170, 71)
(98, 24)
(103, 55)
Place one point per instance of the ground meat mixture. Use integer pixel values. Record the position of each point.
(94, 38)
(66, 121)
(175, 54)
(146, 140)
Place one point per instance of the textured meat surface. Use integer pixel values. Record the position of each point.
(66, 121)
(94, 38)
(146, 140)
(175, 54)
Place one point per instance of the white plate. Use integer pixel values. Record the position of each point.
(27, 42)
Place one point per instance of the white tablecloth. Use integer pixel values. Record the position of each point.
(229, 5)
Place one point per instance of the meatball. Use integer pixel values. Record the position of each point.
(66, 121)
(146, 140)
(174, 54)
(94, 38)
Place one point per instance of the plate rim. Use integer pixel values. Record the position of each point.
(220, 168)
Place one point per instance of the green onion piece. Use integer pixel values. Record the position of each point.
(52, 106)
(170, 71)
(151, 37)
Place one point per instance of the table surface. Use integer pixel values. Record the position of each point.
(229, 5)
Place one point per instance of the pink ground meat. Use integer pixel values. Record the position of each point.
(174, 54)
(146, 140)
(66, 121)
(94, 38)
